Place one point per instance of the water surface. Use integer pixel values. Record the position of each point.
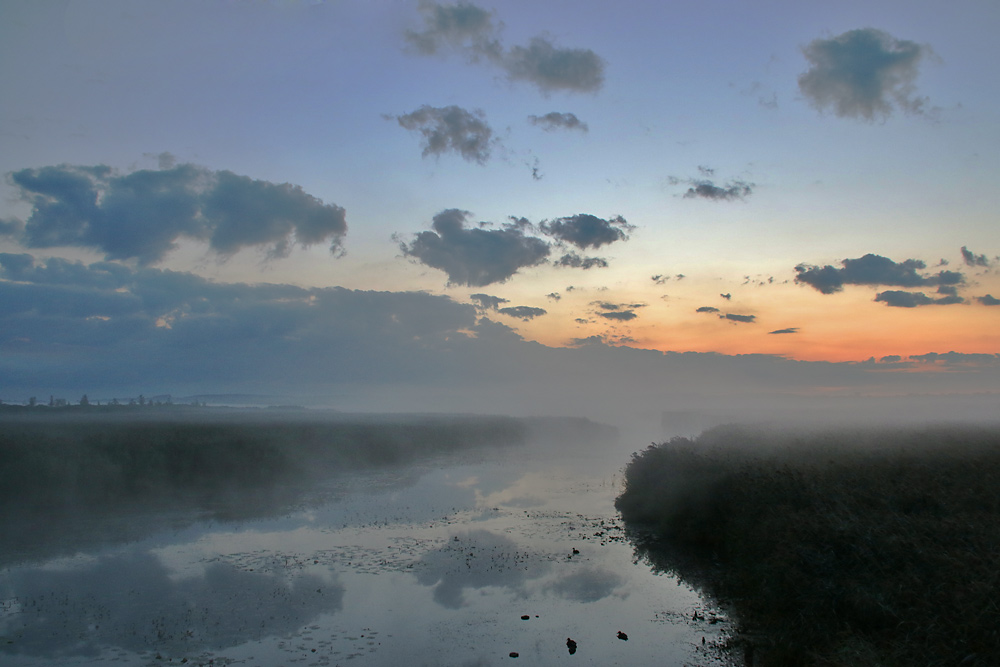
(434, 563)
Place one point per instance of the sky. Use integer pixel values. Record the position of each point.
(510, 205)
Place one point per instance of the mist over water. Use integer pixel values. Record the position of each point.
(428, 556)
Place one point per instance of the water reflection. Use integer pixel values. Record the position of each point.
(132, 601)
(437, 563)
(477, 559)
(589, 585)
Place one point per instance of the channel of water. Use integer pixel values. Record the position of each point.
(463, 560)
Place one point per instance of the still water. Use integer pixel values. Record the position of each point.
(461, 560)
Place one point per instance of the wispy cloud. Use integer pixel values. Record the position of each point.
(621, 312)
(461, 26)
(555, 120)
(731, 191)
(523, 312)
(972, 259)
(451, 129)
(706, 188)
(576, 261)
(732, 317)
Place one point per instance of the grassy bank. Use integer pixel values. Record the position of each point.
(847, 547)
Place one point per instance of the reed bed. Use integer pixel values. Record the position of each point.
(833, 547)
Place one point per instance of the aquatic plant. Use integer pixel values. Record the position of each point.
(832, 547)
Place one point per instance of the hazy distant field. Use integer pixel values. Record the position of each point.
(836, 547)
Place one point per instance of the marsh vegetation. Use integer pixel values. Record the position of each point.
(57, 467)
(871, 546)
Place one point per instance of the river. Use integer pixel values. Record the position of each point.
(493, 557)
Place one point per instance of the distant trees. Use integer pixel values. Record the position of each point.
(163, 400)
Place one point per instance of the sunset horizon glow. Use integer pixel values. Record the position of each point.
(336, 199)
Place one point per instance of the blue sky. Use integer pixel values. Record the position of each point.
(631, 176)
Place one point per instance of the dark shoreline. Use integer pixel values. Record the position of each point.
(832, 547)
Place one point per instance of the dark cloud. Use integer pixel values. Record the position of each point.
(704, 189)
(555, 296)
(141, 215)
(470, 31)
(972, 259)
(738, 318)
(491, 332)
(620, 315)
(11, 227)
(901, 299)
(789, 330)
(872, 270)
(863, 73)
(988, 300)
(475, 257)
(587, 231)
(575, 261)
(607, 305)
(558, 121)
(727, 296)
(109, 329)
(523, 312)
(487, 302)
(622, 312)
(707, 309)
(451, 129)
(119, 325)
(660, 279)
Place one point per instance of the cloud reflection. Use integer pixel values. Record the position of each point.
(130, 601)
(477, 559)
(588, 585)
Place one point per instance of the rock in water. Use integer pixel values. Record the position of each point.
(571, 645)
(622, 636)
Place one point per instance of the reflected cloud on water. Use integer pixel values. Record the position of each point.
(482, 559)
(477, 559)
(131, 601)
(589, 585)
